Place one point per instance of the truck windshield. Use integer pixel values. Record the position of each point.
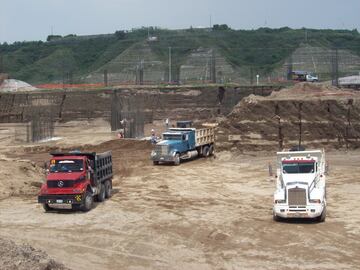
(172, 137)
(66, 165)
(298, 167)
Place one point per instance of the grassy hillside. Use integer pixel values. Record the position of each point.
(262, 51)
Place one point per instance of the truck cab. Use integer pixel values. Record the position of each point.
(300, 185)
(74, 179)
(174, 143)
(312, 77)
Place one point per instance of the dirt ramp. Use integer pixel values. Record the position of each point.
(128, 155)
(316, 115)
(25, 257)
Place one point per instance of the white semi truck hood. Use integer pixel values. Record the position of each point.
(298, 178)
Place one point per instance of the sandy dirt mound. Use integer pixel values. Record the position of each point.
(25, 257)
(19, 177)
(328, 116)
(310, 90)
(11, 85)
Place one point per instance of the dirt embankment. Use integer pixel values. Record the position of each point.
(25, 257)
(19, 177)
(128, 155)
(318, 115)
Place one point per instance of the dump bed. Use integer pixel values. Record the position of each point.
(103, 166)
(204, 136)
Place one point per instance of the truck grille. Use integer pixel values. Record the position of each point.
(297, 196)
(57, 184)
(162, 150)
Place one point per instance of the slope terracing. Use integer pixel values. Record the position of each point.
(316, 115)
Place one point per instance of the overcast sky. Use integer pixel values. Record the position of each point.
(34, 19)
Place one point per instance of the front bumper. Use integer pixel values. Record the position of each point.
(61, 199)
(166, 158)
(310, 211)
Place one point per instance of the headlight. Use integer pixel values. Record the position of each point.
(315, 201)
(280, 201)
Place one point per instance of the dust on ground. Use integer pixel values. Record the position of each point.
(204, 214)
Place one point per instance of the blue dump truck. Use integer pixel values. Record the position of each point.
(184, 142)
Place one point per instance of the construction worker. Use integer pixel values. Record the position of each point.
(153, 137)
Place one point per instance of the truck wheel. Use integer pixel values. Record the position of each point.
(46, 207)
(107, 189)
(101, 195)
(156, 162)
(323, 216)
(205, 152)
(177, 160)
(88, 202)
(211, 150)
(276, 218)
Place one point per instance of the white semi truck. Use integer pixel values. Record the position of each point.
(300, 185)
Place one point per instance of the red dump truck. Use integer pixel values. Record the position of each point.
(74, 180)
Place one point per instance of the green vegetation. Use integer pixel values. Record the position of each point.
(263, 49)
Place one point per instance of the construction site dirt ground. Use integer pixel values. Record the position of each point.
(204, 214)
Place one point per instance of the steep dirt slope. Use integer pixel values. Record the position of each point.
(326, 116)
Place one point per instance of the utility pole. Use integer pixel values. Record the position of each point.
(289, 69)
(213, 67)
(169, 64)
(106, 77)
(141, 75)
(300, 124)
(1, 64)
(335, 68)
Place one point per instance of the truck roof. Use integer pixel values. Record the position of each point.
(173, 133)
(182, 129)
(178, 131)
(318, 154)
(73, 154)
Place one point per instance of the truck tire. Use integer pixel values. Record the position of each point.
(88, 202)
(322, 217)
(177, 160)
(155, 163)
(101, 195)
(108, 189)
(211, 150)
(46, 207)
(205, 152)
(276, 218)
